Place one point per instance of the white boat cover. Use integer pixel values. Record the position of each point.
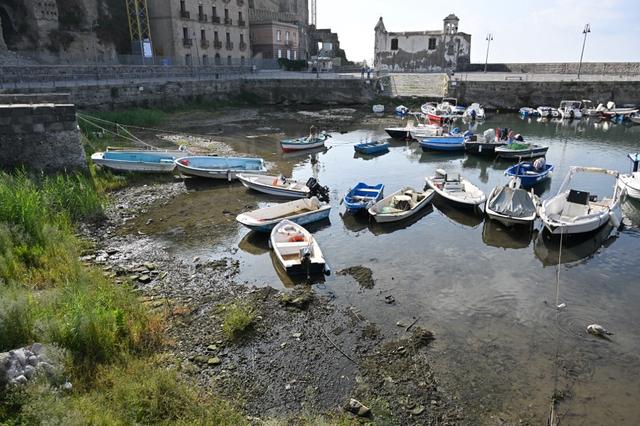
(512, 202)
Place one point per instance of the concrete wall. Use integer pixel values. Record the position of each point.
(620, 68)
(41, 136)
(513, 95)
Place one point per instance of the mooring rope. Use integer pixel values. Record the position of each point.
(552, 420)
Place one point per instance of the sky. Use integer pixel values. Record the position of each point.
(523, 31)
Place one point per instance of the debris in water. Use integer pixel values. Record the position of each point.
(389, 300)
(561, 306)
(361, 274)
(598, 330)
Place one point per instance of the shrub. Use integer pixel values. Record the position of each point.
(290, 65)
(16, 318)
(238, 319)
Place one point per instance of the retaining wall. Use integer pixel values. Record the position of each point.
(593, 68)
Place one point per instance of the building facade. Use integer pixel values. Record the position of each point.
(200, 32)
(275, 40)
(278, 12)
(422, 51)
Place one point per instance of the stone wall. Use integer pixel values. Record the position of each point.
(512, 95)
(620, 68)
(41, 136)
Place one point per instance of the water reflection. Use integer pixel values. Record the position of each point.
(576, 248)
(466, 217)
(387, 228)
(496, 234)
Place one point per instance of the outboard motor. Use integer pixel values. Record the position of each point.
(315, 189)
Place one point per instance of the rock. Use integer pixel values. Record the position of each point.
(422, 337)
(20, 380)
(214, 361)
(356, 407)
(196, 259)
(416, 411)
(212, 348)
(144, 278)
(362, 274)
(298, 299)
(111, 251)
(296, 335)
(150, 266)
(389, 300)
(400, 324)
(29, 371)
(67, 386)
(19, 356)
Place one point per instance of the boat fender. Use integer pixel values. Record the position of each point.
(614, 221)
(184, 162)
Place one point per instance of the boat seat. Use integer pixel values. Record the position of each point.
(577, 204)
(292, 248)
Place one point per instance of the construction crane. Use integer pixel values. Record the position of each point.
(139, 28)
(314, 12)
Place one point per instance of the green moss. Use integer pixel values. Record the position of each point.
(238, 319)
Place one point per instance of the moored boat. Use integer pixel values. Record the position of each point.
(475, 111)
(362, 196)
(278, 186)
(219, 167)
(302, 212)
(371, 148)
(309, 142)
(570, 110)
(530, 174)
(521, 150)
(512, 205)
(142, 161)
(456, 188)
(454, 141)
(631, 182)
(485, 144)
(400, 205)
(526, 112)
(296, 250)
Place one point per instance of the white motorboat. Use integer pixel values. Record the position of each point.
(296, 250)
(631, 182)
(279, 186)
(426, 131)
(309, 142)
(512, 205)
(456, 188)
(635, 118)
(378, 108)
(302, 212)
(475, 111)
(570, 110)
(400, 205)
(548, 112)
(576, 212)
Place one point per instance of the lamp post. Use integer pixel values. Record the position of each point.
(587, 30)
(489, 40)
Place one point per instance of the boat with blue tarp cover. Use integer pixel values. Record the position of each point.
(371, 148)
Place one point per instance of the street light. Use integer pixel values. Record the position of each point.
(489, 40)
(587, 30)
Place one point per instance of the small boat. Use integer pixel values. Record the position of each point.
(302, 212)
(426, 131)
(454, 141)
(635, 118)
(451, 106)
(378, 109)
(309, 142)
(474, 112)
(570, 110)
(362, 196)
(296, 250)
(512, 205)
(521, 150)
(143, 161)
(402, 110)
(400, 205)
(371, 148)
(577, 212)
(279, 186)
(435, 114)
(412, 125)
(631, 182)
(526, 112)
(548, 112)
(219, 167)
(456, 188)
(485, 144)
(529, 174)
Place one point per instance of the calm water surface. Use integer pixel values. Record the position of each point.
(488, 293)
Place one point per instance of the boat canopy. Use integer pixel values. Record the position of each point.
(512, 202)
(574, 170)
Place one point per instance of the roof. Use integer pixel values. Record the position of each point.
(451, 17)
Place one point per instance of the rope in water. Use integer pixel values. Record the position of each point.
(552, 420)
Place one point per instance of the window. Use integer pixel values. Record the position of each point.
(288, 54)
(228, 38)
(394, 44)
(241, 38)
(279, 53)
(286, 37)
(295, 55)
(187, 59)
(185, 33)
(226, 14)
(278, 35)
(228, 60)
(214, 12)
(217, 59)
(241, 60)
(182, 6)
(205, 60)
(239, 16)
(203, 35)
(215, 36)
(200, 12)
(432, 43)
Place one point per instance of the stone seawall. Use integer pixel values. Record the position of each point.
(593, 68)
(512, 95)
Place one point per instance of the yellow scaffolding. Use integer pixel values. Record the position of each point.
(139, 28)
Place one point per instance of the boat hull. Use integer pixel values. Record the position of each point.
(483, 148)
(360, 197)
(529, 180)
(522, 153)
(397, 217)
(293, 147)
(443, 144)
(398, 133)
(315, 265)
(301, 219)
(370, 149)
(137, 161)
(630, 184)
(225, 170)
(460, 202)
(504, 219)
(272, 190)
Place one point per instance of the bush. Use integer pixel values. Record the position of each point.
(289, 65)
(16, 318)
(238, 319)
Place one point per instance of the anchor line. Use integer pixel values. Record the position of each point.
(552, 420)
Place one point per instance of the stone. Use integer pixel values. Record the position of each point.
(29, 371)
(21, 380)
(37, 348)
(144, 278)
(296, 335)
(212, 348)
(67, 386)
(416, 411)
(150, 266)
(359, 409)
(214, 361)
(19, 356)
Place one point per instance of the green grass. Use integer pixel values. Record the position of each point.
(238, 319)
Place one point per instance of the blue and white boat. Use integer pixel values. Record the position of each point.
(363, 196)
(219, 167)
(371, 148)
(454, 141)
(309, 142)
(529, 174)
(144, 161)
(302, 212)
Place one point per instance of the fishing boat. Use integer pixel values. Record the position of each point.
(451, 106)
(143, 161)
(309, 142)
(521, 150)
(474, 112)
(426, 131)
(219, 167)
(512, 205)
(570, 110)
(362, 196)
(302, 212)
(296, 250)
(281, 186)
(456, 188)
(631, 182)
(417, 123)
(530, 174)
(454, 141)
(576, 212)
(371, 148)
(400, 205)
(485, 144)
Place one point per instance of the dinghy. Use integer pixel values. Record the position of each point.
(400, 205)
(219, 167)
(454, 141)
(436, 114)
(485, 144)
(530, 174)
(511, 205)
(576, 212)
(281, 186)
(371, 148)
(302, 212)
(426, 131)
(296, 250)
(143, 161)
(309, 142)
(631, 182)
(521, 150)
(362, 196)
(455, 188)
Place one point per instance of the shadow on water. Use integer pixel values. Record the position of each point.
(468, 217)
(576, 248)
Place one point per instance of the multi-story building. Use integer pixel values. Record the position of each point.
(265, 13)
(200, 32)
(274, 40)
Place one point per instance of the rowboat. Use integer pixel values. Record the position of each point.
(371, 148)
(400, 205)
(219, 167)
(631, 182)
(275, 185)
(143, 161)
(528, 174)
(521, 150)
(296, 250)
(577, 212)
(362, 196)
(453, 141)
(309, 142)
(302, 212)
(511, 205)
(455, 188)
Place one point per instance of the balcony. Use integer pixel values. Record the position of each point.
(215, 19)
(202, 18)
(185, 15)
(204, 44)
(228, 21)
(241, 22)
(229, 45)
(217, 44)
(187, 42)
(242, 46)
